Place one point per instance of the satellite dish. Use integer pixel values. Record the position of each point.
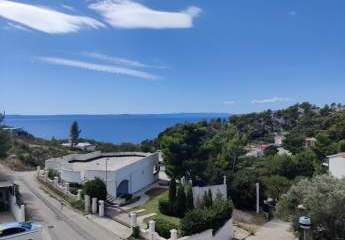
(304, 222)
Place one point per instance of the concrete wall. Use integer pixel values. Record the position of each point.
(199, 192)
(337, 166)
(139, 174)
(17, 211)
(53, 164)
(92, 174)
(226, 232)
(70, 176)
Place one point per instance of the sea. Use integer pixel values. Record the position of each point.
(123, 128)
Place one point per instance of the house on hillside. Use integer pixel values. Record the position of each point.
(310, 142)
(123, 172)
(278, 139)
(336, 165)
(256, 150)
(84, 146)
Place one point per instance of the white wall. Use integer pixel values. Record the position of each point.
(53, 164)
(139, 174)
(226, 232)
(199, 192)
(70, 176)
(337, 166)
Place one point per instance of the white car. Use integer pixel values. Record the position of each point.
(20, 231)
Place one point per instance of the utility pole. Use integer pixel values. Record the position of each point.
(106, 174)
(257, 198)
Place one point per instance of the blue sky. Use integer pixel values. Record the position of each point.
(154, 56)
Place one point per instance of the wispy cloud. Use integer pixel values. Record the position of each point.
(17, 26)
(130, 14)
(98, 67)
(292, 13)
(68, 7)
(272, 100)
(231, 102)
(45, 19)
(120, 61)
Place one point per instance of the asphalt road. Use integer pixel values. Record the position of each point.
(58, 224)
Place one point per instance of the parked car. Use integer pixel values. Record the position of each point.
(20, 231)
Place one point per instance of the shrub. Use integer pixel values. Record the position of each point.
(95, 188)
(78, 204)
(163, 227)
(52, 173)
(164, 206)
(198, 220)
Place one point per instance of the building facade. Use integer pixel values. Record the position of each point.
(123, 173)
(336, 165)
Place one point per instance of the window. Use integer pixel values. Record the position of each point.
(11, 231)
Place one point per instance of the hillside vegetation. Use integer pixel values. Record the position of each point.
(206, 151)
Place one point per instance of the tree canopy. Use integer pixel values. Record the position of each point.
(323, 200)
(4, 139)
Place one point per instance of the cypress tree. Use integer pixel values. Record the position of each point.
(189, 199)
(74, 133)
(172, 195)
(210, 199)
(180, 208)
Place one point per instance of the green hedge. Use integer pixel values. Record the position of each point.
(164, 206)
(201, 219)
(163, 227)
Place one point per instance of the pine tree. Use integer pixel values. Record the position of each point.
(4, 139)
(74, 133)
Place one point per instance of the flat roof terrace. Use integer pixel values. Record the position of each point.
(111, 163)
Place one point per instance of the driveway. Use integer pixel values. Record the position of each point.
(58, 224)
(273, 230)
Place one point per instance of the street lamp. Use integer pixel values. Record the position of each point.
(305, 224)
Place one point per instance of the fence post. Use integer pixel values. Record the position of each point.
(87, 203)
(101, 208)
(22, 213)
(94, 205)
(67, 187)
(173, 234)
(133, 219)
(45, 175)
(56, 181)
(79, 194)
(152, 229)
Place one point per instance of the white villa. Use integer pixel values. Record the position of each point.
(123, 172)
(336, 165)
(85, 146)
